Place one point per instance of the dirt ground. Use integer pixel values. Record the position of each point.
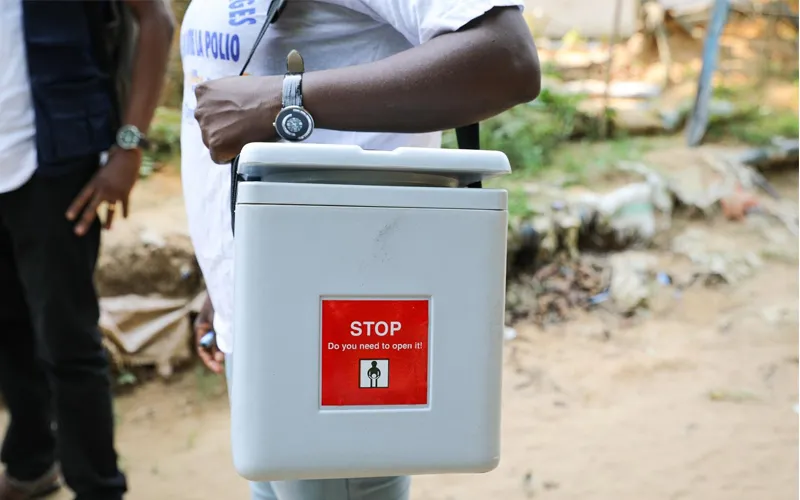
(696, 401)
(697, 404)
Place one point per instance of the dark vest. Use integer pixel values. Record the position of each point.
(72, 94)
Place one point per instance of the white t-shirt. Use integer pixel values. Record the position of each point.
(17, 120)
(216, 37)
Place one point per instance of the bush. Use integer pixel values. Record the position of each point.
(165, 133)
(530, 133)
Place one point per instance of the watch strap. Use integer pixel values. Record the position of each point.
(292, 91)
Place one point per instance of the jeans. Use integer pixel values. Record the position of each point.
(379, 488)
(53, 369)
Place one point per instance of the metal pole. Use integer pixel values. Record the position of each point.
(698, 121)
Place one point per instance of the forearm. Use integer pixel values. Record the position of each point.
(151, 55)
(451, 81)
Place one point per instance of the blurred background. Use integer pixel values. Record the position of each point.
(652, 311)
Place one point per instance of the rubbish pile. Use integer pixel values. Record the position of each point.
(555, 253)
(148, 281)
(703, 181)
(549, 295)
(715, 259)
(147, 331)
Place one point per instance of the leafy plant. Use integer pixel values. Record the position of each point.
(165, 133)
(530, 133)
(519, 206)
(756, 125)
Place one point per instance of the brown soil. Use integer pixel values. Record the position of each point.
(696, 401)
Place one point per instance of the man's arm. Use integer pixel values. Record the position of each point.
(453, 80)
(156, 27)
(113, 183)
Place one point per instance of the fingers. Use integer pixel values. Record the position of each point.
(220, 159)
(110, 209)
(213, 359)
(81, 200)
(211, 356)
(89, 215)
(86, 204)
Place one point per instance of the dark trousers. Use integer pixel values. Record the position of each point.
(53, 369)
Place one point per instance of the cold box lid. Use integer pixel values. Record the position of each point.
(347, 164)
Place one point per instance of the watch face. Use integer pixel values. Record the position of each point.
(128, 137)
(294, 124)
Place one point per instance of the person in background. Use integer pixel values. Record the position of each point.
(59, 113)
(380, 74)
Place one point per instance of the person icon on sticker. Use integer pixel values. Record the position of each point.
(374, 374)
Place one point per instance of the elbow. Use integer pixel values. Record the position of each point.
(521, 79)
(515, 50)
(524, 75)
(508, 53)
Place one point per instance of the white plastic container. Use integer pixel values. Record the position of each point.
(370, 289)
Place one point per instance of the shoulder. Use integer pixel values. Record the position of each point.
(421, 20)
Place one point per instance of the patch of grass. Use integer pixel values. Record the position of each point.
(127, 378)
(778, 255)
(518, 203)
(728, 396)
(209, 385)
(586, 162)
(753, 123)
(725, 92)
(550, 69)
(165, 133)
(757, 126)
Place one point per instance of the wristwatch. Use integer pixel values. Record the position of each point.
(130, 137)
(293, 122)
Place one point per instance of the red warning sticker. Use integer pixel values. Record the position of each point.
(374, 352)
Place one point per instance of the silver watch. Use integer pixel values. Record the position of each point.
(293, 122)
(130, 137)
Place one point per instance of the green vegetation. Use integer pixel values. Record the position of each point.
(755, 125)
(752, 123)
(519, 206)
(530, 134)
(165, 133)
(208, 384)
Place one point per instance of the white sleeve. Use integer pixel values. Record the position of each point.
(421, 20)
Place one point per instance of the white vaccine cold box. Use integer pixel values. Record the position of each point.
(369, 292)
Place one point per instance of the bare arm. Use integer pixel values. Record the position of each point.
(156, 27)
(113, 183)
(453, 80)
